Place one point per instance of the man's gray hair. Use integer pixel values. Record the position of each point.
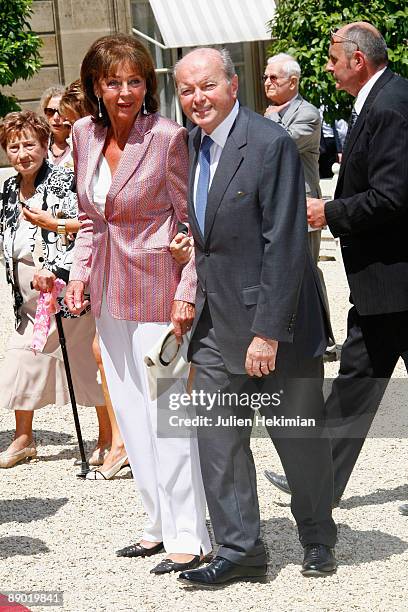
(290, 67)
(225, 57)
(369, 42)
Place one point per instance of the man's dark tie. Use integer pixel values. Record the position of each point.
(351, 123)
(203, 181)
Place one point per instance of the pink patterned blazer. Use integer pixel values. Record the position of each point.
(127, 249)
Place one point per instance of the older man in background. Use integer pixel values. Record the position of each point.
(300, 119)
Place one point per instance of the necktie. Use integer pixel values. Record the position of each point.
(351, 123)
(203, 181)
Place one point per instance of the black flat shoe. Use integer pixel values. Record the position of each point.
(137, 550)
(221, 571)
(168, 565)
(281, 483)
(319, 560)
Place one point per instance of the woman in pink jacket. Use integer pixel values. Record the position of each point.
(131, 168)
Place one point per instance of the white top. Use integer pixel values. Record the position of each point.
(219, 136)
(21, 244)
(25, 231)
(65, 160)
(365, 90)
(101, 182)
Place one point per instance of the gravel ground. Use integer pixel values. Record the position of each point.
(59, 533)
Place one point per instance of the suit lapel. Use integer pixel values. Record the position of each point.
(96, 143)
(292, 109)
(378, 85)
(194, 142)
(230, 160)
(133, 154)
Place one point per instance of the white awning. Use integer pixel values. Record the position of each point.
(187, 23)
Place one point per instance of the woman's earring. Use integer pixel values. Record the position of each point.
(144, 107)
(99, 108)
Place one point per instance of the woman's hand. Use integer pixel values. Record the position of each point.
(43, 280)
(40, 217)
(74, 297)
(182, 317)
(181, 248)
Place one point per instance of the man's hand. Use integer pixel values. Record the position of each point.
(182, 317)
(315, 213)
(43, 280)
(74, 297)
(272, 108)
(40, 217)
(261, 356)
(181, 248)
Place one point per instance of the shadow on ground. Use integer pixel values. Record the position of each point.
(42, 437)
(12, 546)
(354, 546)
(380, 496)
(29, 509)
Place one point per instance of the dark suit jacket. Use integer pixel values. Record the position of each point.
(253, 264)
(370, 209)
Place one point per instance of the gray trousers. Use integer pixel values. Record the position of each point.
(227, 464)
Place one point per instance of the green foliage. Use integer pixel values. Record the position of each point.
(302, 28)
(19, 48)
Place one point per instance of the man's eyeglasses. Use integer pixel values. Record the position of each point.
(50, 112)
(334, 33)
(272, 77)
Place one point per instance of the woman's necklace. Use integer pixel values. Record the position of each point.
(26, 192)
(57, 155)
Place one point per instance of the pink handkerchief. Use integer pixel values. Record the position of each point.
(47, 305)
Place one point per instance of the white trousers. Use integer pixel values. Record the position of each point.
(166, 470)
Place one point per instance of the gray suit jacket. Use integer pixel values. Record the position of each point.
(253, 265)
(302, 122)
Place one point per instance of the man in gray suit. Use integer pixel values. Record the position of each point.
(302, 122)
(259, 326)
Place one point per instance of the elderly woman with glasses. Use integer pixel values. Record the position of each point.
(60, 146)
(131, 166)
(38, 208)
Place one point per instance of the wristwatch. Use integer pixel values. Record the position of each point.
(62, 231)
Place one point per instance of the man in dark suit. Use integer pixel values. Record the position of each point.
(370, 215)
(259, 325)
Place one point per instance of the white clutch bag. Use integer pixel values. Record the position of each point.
(167, 359)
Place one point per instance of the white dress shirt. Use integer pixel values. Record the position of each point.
(365, 90)
(219, 136)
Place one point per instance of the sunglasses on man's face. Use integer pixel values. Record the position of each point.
(334, 34)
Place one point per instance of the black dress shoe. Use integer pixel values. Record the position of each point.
(137, 550)
(281, 483)
(319, 560)
(221, 571)
(403, 509)
(168, 565)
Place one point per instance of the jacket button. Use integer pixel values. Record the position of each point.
(41, 259)
(207, 253)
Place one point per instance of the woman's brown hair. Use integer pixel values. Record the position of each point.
(104, 55)
(17, 122)
(73, 99)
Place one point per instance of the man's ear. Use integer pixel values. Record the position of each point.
(234, 86)
(360, 60)
(294, 82)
